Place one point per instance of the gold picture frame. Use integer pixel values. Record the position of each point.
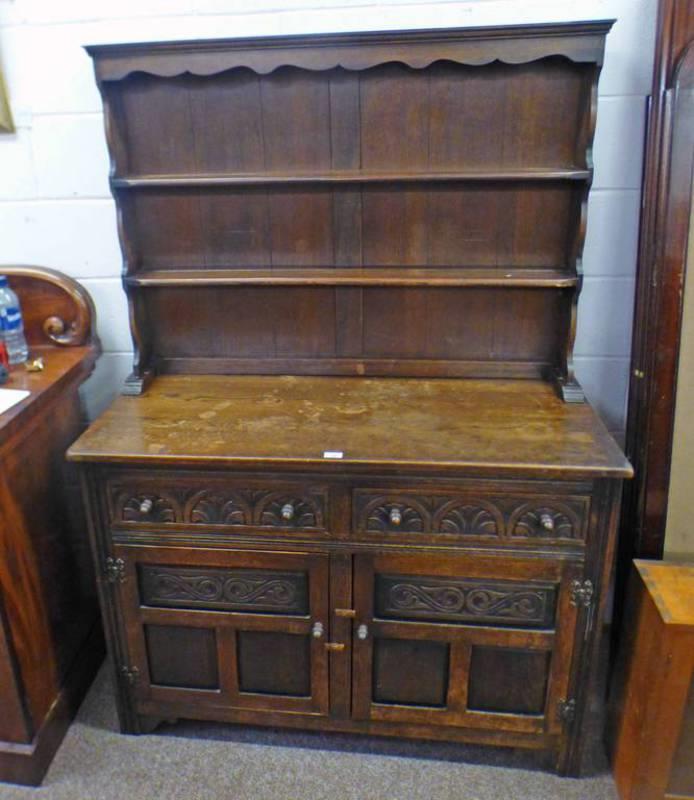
(6, 121)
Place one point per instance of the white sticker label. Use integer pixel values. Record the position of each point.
(333, 454)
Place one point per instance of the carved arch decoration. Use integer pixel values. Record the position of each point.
(217, 507)
(468, 517)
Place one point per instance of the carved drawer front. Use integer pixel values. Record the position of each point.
(232, 628)
(503, 518)
(217, 502)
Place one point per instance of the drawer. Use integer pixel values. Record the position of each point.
(216, 501)
(468, 514)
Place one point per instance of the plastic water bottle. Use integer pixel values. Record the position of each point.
(11, 325)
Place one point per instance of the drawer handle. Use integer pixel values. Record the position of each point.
(362, 632)
(395, 516)
(547, 522)
(146, 505)
(317, 630)
(287, 512)
(334, 647)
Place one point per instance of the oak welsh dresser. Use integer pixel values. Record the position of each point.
(354, 484)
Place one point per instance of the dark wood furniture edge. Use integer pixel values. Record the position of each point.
(79, 331)
(110, 618)
(591, 669)
(356, 50)
(146, 723)
(658, 313)
(393, 468)
(27, 764)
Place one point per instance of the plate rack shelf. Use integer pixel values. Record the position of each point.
(371, 201)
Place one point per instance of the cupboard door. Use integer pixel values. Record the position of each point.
(237, 629)
(448, 641)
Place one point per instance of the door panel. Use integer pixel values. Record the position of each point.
(425, 682)
(286, 672)
(503, 679)
(446, 641)
(229, 628)
(182, 657)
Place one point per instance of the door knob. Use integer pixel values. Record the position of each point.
(547, 522)
(317, 630)
(362, 632)
(146, 505)
(395, 516)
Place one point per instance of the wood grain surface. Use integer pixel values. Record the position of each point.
(495, 426)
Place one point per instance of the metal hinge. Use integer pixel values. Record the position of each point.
(114, 570)
(582, 594)
(566, 711)
(130, 675)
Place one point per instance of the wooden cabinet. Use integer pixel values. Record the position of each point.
(451, 606)
(51, 643)
(348, 491)
(651, 730)
(439, 641)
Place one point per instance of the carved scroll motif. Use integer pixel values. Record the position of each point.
(477, 601)
(223, 589)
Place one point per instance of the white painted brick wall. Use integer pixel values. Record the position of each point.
(55, 208)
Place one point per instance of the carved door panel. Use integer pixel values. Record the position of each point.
(235, 629)
(445, 640)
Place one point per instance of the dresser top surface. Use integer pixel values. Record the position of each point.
(485, 426)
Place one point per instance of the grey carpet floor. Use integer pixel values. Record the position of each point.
(194, 761)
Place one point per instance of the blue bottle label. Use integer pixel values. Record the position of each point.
(11, 319)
